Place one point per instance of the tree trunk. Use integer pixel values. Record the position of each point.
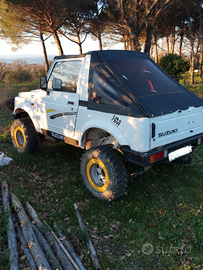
(194, 53)
(181, 43)
(192, 69)
(151, 51)
(129, 41)
(172, 42)
(45, 53)
(148, 41)
(100, 41)
(200, 63)
(125, 42)
(80, 48)
(135, 44)
(98, 27)
(58, 43)
(125, 45)
(167, 43)
(130, 44)
(79, 43)
(156, 49)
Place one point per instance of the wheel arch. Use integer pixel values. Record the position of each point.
(26, 111)
(102, 130)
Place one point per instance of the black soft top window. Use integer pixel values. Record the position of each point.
(143, 77)
(130, 83)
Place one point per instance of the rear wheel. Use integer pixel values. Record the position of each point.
(104, 173)
(24, 137)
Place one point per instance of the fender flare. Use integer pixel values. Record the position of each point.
(35, 119)
(106, 126)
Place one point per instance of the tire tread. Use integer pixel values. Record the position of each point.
(118, 171)
(30, 134)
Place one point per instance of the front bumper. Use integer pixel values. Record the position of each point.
(143, 158)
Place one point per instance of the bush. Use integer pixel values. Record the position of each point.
(174, 65)
(17, 76)
(20, 71)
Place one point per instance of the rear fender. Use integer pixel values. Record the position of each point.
(107, 127)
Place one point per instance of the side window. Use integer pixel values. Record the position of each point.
(65, 75)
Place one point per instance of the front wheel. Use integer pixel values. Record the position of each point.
(104, 173)
(24, 137)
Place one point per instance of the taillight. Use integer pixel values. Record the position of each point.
(200, 141)
(158, 156)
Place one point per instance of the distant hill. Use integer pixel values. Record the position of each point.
(30, 59)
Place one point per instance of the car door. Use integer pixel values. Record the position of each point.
(60, 104)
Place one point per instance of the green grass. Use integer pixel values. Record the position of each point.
(197, 88)
(10, 90)
(162, 208)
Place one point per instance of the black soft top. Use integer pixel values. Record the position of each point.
(130, 83)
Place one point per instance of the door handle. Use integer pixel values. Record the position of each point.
(70, 102)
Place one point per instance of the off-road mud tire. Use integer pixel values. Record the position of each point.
(104, 162)
(24, 137)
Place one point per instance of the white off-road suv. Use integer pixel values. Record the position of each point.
(108, 102)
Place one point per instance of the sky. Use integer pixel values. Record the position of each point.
(34, 49)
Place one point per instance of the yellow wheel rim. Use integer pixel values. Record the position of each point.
(20, 138)
(97, 175)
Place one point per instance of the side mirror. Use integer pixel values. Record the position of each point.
(56, 84)
(43, 82)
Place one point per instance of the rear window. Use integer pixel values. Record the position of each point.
(143, 77)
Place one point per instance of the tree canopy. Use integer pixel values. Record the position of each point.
(139, 24)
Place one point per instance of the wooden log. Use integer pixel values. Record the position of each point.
(65, 251)
(33, 214)
(12, 241)
(89, 244)
(25, 248)
(70, 249)
(47, 250)
(50, 239)
(29, 235)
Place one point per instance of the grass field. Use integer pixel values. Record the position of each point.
(156, 224)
